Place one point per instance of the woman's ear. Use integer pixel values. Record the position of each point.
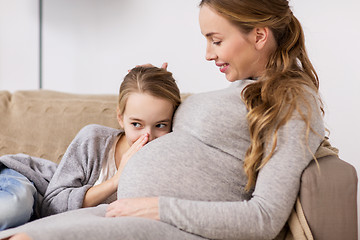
(120, 118)
(261, 37)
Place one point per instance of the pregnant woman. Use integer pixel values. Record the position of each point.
(231, 167)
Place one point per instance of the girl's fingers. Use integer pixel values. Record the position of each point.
(142, 140)
(137, 145)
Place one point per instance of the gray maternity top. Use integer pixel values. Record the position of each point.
(198, 169)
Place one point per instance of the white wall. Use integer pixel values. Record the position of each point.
(19, 45)
(89, 45)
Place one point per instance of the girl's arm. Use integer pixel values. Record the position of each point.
(99, 193)
(78, 170)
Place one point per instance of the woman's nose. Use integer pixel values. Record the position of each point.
(210, 55)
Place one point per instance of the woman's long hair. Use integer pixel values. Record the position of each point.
(281, 90)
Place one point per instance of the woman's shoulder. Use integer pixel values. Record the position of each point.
(234, 89)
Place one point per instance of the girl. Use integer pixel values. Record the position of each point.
(148, 98)
(89, 171)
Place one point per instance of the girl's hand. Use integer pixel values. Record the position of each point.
(142, 140)
(137, 145)
(136, 207)
(99, 193)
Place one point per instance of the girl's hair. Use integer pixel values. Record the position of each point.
(157, 82)
(282, 89)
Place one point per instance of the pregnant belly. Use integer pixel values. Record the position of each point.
(178, 165)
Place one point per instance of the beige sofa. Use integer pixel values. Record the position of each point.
(42, 123)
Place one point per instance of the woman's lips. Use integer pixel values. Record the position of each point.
(224, 67)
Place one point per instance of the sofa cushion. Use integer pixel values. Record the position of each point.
(329, 199)
(42, 123)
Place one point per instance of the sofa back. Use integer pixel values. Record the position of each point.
(42, 123)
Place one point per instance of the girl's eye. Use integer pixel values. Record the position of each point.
(216, 43)
(161, 125)
(136, 124)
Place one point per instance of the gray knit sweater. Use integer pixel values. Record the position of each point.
(79, 169)
(197, 170)
(38, 170)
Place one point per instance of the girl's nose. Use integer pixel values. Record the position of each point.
(150, 133)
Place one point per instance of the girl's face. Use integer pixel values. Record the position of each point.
(233, 51)
(146, 114)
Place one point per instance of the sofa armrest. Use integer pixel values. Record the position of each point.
(329, 199)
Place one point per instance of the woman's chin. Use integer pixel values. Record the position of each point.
(231, 79)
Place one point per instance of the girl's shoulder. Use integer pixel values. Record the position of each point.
(96, 130)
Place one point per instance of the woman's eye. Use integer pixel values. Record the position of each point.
(136, 124)
(216, 43)
(161, 125)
